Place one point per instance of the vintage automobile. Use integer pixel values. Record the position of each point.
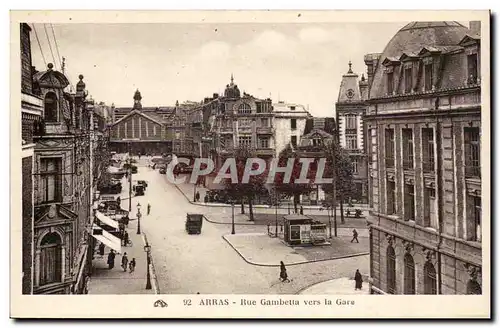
(142, 183)
(138, 190)
(194, 223)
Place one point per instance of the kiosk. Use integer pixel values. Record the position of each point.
(301, 229)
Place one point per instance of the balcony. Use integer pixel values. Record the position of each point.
(264, 151)
(265, 130)
(225, 130)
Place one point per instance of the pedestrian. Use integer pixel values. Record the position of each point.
(197, 196)
(283, 274)
(359, 280)
(111, 259)
(149, 208)
(301, 210)
(125, 238)
(124, 262)
(131, 265)
(354, 236)
(101, 249)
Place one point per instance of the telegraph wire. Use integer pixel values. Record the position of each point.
(57, 46)
(50, 45)
(39, 45)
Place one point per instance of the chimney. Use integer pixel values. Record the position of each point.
(26, 68)
(475, 27)
(371, 61)
(363, 87)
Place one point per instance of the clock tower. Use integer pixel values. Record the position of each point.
(350, 109)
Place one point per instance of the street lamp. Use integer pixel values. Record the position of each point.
(139, 218)
(232, 218)
(147, 249)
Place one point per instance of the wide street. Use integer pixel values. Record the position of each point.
(206, 263)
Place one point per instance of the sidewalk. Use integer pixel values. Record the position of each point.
(115, 281)
(188, 190)
(341, 286)
(263, 250)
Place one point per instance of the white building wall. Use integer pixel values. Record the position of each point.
(282, 124)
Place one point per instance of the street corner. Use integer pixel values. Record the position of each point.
(340, 286)
(261, 249)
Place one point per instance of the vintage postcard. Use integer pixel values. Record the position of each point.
(250, 164)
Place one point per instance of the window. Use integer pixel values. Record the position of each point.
(50, 107)
(351, 141)
(177, 135)
(259, 107)
(390, 83)
(409, 275)
(317, 142)
(293, 123)
(472, 152)
(245, 141)
(428, 149)
(473, 218)
(177, 146)
(244, 109)
(409, 202)
(389, 147)
(408, 80)
(50, 176)
(292, 107)
(355, 166)
(429, 279)
(391, 197)
(147, 129)
(294, 141)
(264, 142)
(154, 130)
(408, 149)
(350, 122)
(264, 122)
(50, 259)
(391, 270)
(430, 216)
(428, 77)
(472, 68)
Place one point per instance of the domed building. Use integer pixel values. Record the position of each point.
(424, 126)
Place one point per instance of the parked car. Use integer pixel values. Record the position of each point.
(142, 183)
(138, 190)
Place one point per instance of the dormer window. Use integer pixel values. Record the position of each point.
(428, 76)
(50, 107)
(408, 79)
(472, 69)
(390, 82)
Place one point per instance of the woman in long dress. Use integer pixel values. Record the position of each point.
(359, 280)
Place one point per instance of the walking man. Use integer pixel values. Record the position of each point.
(125, 238)
(124, 262)
(131, 265)
(111, 259)
(359, 280)
(283, 274)
(354, 236)
(149, 208)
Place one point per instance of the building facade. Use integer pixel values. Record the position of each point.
(424, 123)
(31, 115)
(350, 111)
(319, 132)
(62, 186)
(289, 122)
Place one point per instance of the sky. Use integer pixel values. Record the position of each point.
(295, 63)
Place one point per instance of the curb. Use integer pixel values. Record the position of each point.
(151, 267)
(363, 208)
(236, 224)
(322, 281)
(292, 264)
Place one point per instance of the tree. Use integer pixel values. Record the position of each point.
(292, 188)
(338, 159)
(248, 190)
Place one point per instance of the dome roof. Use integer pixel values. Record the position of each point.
(411, 39)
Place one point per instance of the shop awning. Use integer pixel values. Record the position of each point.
(106, 220)
(106, 238)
